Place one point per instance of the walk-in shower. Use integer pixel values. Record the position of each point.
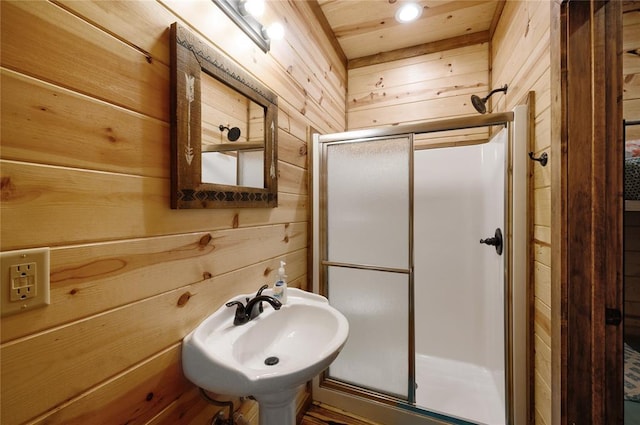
(424, 250)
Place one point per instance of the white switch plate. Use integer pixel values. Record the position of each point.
(24, 280)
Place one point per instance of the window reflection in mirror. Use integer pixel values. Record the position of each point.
(232, 137)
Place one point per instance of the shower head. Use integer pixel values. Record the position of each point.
(481, 103)
(233, 133)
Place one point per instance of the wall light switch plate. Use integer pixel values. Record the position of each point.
(24, 280)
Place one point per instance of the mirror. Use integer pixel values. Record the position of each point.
(232, 136)
(223, 130)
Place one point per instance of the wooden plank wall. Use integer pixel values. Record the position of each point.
(85, 171)
(631, 70)
(422, 88)
(520, 58)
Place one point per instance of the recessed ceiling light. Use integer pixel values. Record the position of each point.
(408, 12)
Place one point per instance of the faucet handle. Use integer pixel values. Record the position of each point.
(240, 316)
(240, 309)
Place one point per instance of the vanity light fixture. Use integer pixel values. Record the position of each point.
(408, 12)
(245, 14)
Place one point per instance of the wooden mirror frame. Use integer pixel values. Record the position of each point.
(190, 56)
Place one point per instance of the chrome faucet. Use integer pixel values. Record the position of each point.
(248, 312)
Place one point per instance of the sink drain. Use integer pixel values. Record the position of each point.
(270, 361)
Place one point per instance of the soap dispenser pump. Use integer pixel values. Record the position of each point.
(280, 287)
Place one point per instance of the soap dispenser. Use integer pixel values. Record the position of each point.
(280, 287)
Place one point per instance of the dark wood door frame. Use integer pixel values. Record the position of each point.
(587, 208)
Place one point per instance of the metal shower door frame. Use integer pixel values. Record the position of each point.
(391, 409)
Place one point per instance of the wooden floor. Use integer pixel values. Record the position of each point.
(319, 414)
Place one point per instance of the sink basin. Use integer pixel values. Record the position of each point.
(268, 357)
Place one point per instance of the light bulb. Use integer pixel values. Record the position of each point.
(408, 12)
(275, 31)
(254, 7)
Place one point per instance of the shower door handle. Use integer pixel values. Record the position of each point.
(496, 241)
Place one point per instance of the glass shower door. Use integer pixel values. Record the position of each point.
(366, 263)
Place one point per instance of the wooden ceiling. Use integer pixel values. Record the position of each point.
(368, 32)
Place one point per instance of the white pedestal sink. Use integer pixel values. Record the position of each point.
(268, 357)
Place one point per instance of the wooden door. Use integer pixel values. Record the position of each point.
(587, 190)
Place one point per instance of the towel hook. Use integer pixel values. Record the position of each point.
(544, 158)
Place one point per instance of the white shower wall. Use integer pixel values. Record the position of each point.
(458, 282)
(458, 200)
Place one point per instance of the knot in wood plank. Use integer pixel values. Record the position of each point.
(204, 241)
(184, 298)
(8, 188)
